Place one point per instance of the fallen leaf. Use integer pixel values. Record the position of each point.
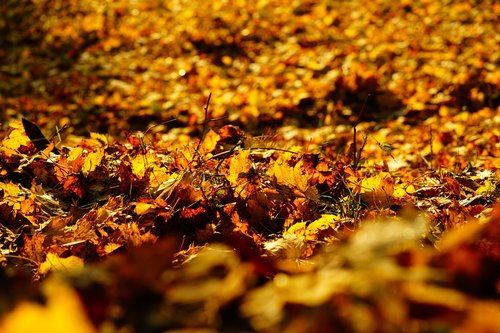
(62, 313)
(57, 264)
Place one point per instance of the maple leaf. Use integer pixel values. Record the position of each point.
(290, 176)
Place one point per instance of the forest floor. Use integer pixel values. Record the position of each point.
(233, 166)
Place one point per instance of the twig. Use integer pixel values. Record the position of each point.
(356, 156)
(21, 258)
(204, 129)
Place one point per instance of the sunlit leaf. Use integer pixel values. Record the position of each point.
(290, 176)
(209, 142)
(55, 263)
(92, 161)
(239, 164)
(17, 137)
(62, 313)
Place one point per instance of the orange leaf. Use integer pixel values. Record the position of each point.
(209, 142)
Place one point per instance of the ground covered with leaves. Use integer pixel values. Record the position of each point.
(234, 166)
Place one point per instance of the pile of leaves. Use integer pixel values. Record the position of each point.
(341, 176)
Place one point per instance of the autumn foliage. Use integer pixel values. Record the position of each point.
(234, 166)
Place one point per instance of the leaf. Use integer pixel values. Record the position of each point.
(290, 176)
(315, 230)
(36, 136)
(377, 189)
(17, 137)
(486, 188)
(62, 313)
(92, 161)
(209, 142)
(142, 208)
(325, 222)
(55, 263)
(12, 194)
(141, 163)
(240, 163)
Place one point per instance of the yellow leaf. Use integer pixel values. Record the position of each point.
(141, 163)
(209, 142)
(17, 137)
(58, 264)
(487, 187)
(298, 229)
(12, 195)
(10, 190)
(158, 176)
(102, 138)
(75, 153)
(92, 160)
(290, 176)
(377, 188)
(324, 222)
(240, 163)
(62, 313)
(399, 192)
(310, 232)
(111, 247)
(142, 207)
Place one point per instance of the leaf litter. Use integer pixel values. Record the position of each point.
(341, 176)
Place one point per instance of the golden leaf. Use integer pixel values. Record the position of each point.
(133, 236)
(158, 176)
(17, 137)
(240, 163)
(142, 208)
(324, 222)
(298, 229)
(377, 188)
(92, 160)
(75, 153)
(12, 195)
(62, 313)
(487, 187)
(141, 163)
(102, 138)
(290, 176)
(209, 142)
(311, 232)
(55, 263)
(10, 190)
